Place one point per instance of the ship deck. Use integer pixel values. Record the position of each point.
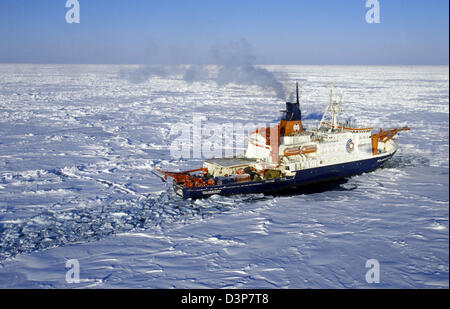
(230, 162)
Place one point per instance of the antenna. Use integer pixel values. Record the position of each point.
(296, 84)
(331, 92)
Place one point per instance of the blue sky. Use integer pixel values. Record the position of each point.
(411, 32)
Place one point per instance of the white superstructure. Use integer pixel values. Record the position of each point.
(333, 142)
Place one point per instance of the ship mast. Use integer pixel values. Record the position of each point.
(330, 115)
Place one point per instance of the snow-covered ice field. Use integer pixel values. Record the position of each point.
(78, 144)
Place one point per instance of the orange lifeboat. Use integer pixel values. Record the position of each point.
(291, 151)
(309, 149)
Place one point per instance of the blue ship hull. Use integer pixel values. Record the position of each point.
(301, 178)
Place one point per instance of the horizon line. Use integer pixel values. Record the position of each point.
(207, 64)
